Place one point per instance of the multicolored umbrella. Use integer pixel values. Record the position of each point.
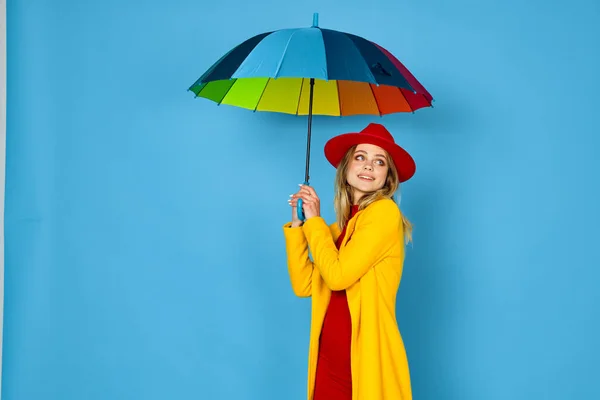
(312, 71)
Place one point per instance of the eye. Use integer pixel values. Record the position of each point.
(359, 157)
(381, 162)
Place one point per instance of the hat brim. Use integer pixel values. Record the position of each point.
(336, 148)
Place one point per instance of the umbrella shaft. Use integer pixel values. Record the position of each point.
(310, 106)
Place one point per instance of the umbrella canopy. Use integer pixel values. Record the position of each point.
(308, 71)
(272, 72)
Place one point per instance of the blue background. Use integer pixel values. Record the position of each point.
(144, 251)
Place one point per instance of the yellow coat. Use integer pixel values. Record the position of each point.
(369, 267)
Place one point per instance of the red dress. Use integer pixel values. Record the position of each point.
(333, 377)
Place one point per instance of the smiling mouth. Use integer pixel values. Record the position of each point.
(365, 178)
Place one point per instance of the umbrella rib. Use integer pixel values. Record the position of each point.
(430, 102)
(405, 99)
(374, 98)
(280, 63)
(300, 95)
(349, 37)
(339, 102)
(261, 94)
(227, 91)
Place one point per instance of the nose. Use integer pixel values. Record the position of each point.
(369, 167)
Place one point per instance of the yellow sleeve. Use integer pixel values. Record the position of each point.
(300, 267)
(376, 231)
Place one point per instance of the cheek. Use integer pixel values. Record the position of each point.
(353, 167)
(350, 172)
(382, 174)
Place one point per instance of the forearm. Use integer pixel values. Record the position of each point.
(326, 255)
(300, 267)
(372, 238)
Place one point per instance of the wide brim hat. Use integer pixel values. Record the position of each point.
(375, 134)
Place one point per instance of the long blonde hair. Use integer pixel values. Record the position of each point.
(342, 200)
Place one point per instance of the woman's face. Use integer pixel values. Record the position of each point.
(367, 170)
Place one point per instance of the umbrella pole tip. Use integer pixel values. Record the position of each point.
(315, 20)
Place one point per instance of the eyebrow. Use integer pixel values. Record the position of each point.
(362, 151)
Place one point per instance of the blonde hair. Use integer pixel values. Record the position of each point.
(342, 200)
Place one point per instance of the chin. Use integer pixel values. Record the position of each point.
(365, 187)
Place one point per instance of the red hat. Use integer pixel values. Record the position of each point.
(375, 134)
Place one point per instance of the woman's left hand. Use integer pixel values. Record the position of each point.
(311, 205)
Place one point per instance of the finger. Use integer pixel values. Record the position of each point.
(293, 199)
(310, 190)
(306, 195)
(309, 201)
(297, 194)
(303, 191)
(306, 199)
(309, 205)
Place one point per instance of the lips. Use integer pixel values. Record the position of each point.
(366, 178)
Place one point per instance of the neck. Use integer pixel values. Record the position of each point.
(356, 196)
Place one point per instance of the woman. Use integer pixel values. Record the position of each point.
(355, 351)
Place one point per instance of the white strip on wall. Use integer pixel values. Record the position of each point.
(2, 164)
